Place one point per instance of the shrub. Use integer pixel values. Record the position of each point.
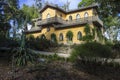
(116, 50)
(91, 50)
(40, 43)
(116, 46)
(22, 55)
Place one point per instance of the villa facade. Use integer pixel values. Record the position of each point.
(56, 23)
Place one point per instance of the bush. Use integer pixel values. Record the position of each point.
(116, 50)
(40, 43)
(22, 56)
(91, 50)
(116, 46)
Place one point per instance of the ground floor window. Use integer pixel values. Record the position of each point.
(61, 37)
(43, 36)
(69, 35)
(53, 37)
(79, 35)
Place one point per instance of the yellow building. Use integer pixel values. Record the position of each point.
(56, 23)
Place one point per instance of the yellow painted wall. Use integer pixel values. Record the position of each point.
(74, 29)
(51, 11)
(81, 13)
(58, 13)
(54, 12)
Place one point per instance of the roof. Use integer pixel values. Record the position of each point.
(33, 29)
(51, 6)
(70, 11)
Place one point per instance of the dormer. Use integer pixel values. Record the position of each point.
(48, 12)
(51, 11)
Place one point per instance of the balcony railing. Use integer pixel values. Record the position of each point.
(82, 21)
(50, 21)
(64, 23)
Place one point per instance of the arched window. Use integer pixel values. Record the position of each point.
(77, 16)
(48, 29)
(70, 18)
(43, 36)
(61, 37)
(79, 35)
(53, 37)
(69, 35)
(48, 15)
(60, 15)
(86, 14)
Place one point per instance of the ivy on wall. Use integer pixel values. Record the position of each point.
(89, 34)
(69, 35)
(53, 37)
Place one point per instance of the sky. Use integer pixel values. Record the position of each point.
(73, 3)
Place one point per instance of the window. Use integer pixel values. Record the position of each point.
(60, 15)
(70, 18)
(69, 35)
(43, 36)
(48, 29)
(61, 37)
(48, 15)
(79, 35)
(86, 14)
(77, 16)
(53, 37)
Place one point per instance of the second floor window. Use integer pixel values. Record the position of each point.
(70, 18)
(60, 15)
(86, 15)
(48, 15)
(77, 16)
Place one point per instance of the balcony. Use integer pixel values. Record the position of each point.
(94, 19)
(63, 23)
(53, 20)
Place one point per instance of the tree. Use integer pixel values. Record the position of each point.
(14, 17)
(66, 6)
(113, 28)
(31, 12)
(106, 8)
(109, 7)
(4, 18)
(38, 4)
(84, 3)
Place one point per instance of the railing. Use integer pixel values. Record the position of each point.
(82, 21)
(63, 23)
(50, 21)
